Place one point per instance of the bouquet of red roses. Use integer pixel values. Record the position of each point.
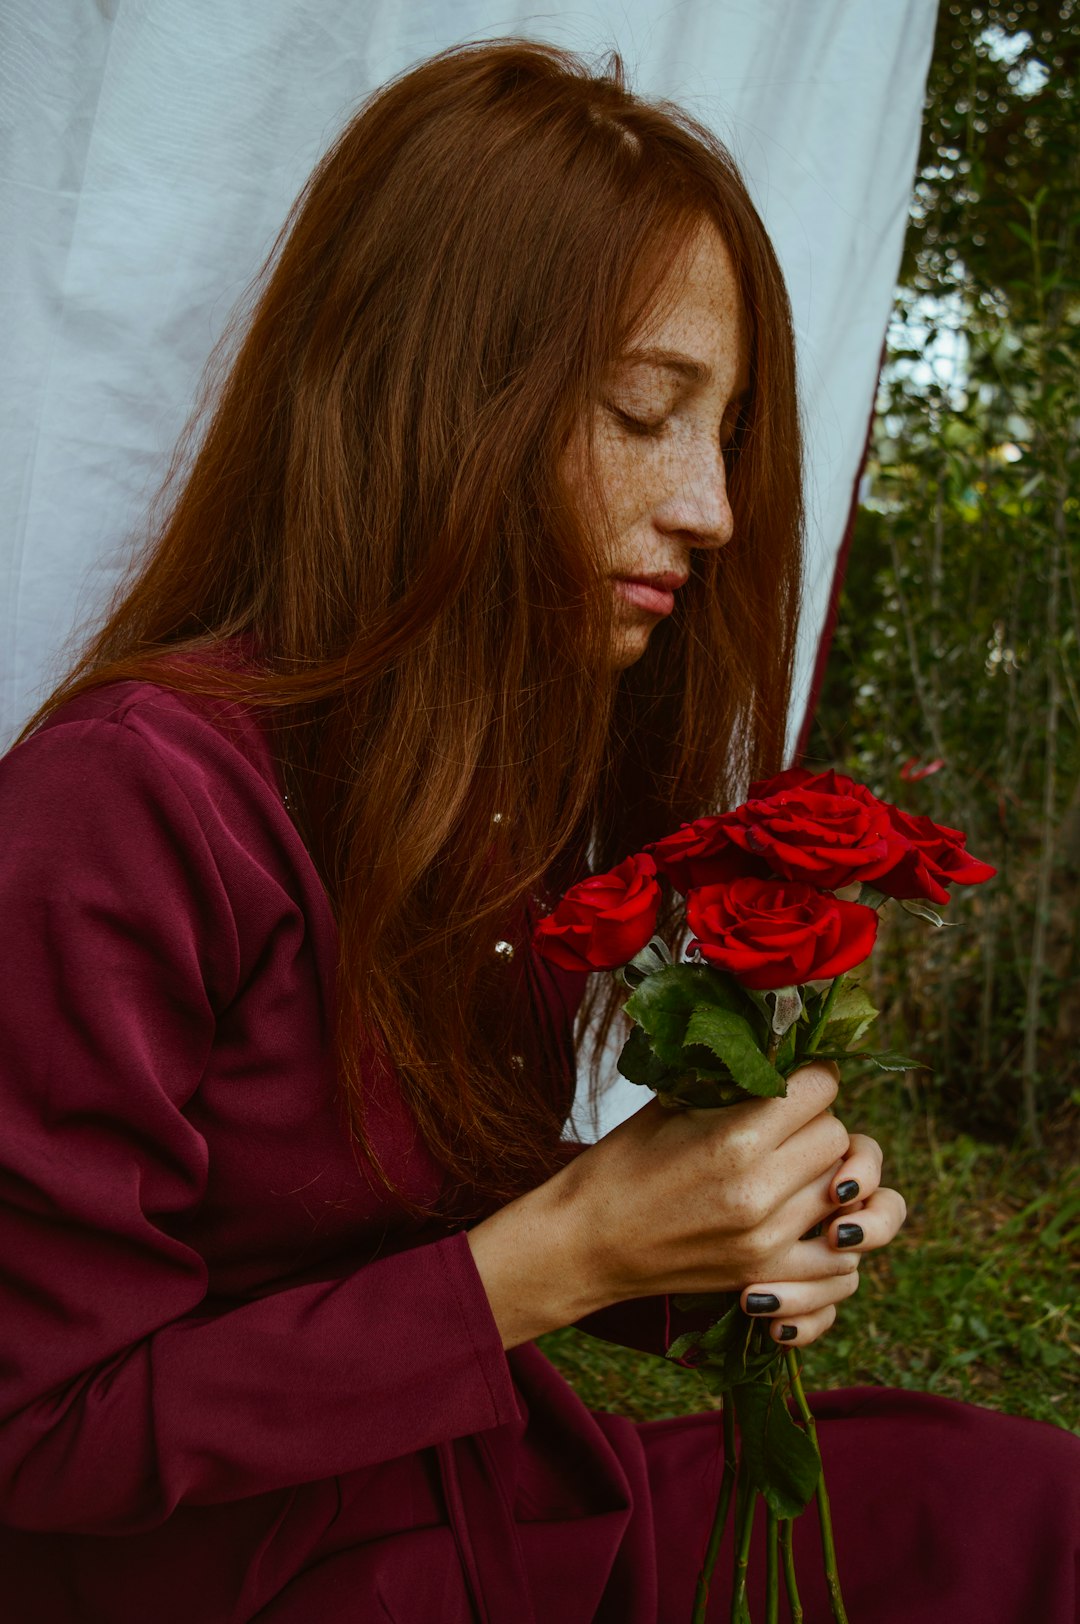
(782, 899)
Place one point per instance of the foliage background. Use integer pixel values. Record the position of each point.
(954, 689)
(957, 640)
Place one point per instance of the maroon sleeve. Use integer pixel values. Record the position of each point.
(122, 1393)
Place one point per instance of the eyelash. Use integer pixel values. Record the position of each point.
(652, 430)
(638, 425)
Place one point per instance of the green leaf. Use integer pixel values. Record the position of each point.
(734, 1349)
(732, 1040)
(851, 1016)
(688, 985)
(727, 1332)
(870, 897)
(638, 1064)
(665, 1001)
(701, 1039)
(684, 1346)
(779, 1457)
(886, 1060)
(714, 1340)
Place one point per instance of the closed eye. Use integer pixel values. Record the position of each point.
(648, 427)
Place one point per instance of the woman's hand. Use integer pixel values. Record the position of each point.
(866, 1216)
(687, 1201)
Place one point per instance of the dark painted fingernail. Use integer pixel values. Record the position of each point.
(848, 1234)
(788, 1333)
(761, 1302)
(848, 1190)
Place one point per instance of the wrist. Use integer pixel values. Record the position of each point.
(534, 1262)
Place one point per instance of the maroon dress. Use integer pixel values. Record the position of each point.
(237, 1382)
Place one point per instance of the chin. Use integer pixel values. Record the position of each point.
(627, 648)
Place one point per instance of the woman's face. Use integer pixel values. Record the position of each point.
(659, 439)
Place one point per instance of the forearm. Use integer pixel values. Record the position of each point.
(535, 1265)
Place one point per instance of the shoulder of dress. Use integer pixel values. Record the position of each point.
(191, 731)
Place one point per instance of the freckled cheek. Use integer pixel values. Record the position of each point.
(635, 488)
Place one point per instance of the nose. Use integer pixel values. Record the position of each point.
(696, 508)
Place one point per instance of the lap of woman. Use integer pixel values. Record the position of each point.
(943, 1513)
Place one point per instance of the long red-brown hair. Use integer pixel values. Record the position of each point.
(370, 495)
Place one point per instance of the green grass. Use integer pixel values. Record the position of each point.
(976, 1298)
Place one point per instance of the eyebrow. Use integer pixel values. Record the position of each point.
(684, 366)
(671, 361)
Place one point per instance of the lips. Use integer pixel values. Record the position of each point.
(654, 593)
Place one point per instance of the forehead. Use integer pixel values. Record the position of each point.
(697, 314)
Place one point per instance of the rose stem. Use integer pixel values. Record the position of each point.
(826, 1010)
(772, 1568)
(788, 1553)
(745, 1502)
(727, 1483)
(827, 1545)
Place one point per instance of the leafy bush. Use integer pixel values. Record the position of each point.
(954, 683)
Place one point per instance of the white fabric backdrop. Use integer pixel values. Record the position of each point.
(149, 150)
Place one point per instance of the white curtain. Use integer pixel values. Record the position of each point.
(150, 149)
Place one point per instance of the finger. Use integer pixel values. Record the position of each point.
(768, 1123)
(860, 1174)
(810, 1090)
(802, 1329)
(809, 1207)
(875, 1224)
(794, 1299)
(811, 1260)
(806, 1165)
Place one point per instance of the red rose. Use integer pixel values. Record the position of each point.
(700, 853)
(934, 856)
(793, 778)
(818, 827)
(603, 921)
(928, 856)
(778, 933)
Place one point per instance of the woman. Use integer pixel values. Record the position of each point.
(484, 567)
